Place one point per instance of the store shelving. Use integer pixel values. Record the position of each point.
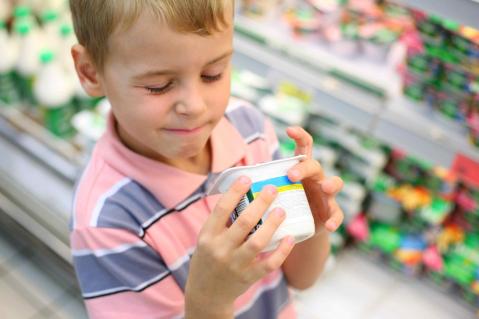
(36, 180)
(372, 102)
(461, 11)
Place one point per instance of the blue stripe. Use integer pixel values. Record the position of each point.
(129, 208)
(276, 181)
(180, 275)
(269, 304)
(248, 120)
(130, 270)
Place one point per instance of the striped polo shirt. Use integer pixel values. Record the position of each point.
(136, 220)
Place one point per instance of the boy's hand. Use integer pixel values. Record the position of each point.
(226, 263)
(319, 190)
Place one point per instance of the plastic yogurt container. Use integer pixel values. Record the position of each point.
(299, 221)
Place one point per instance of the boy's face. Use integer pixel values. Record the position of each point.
(168, 90)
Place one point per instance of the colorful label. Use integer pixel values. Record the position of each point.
(282, 184)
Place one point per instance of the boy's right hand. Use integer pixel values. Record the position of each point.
(225, 263)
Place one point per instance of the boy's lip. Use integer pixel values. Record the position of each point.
(184, 131)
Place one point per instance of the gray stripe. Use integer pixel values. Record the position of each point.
(249, 122)
(181, 274)
(269, 304)
(277, 154)
(131, 270)
(129, 208)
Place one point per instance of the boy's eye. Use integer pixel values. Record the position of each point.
(211, 78)
(159, 90)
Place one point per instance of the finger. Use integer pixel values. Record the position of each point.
(336, 216)
(250, 217)
(262, 237)
(306, 169)
(332, 185)
(303, 140)
(218, 219)
(276, 258)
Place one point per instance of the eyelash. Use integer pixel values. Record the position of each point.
(166, 88)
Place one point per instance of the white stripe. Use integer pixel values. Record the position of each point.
(258, 293)
(182, 260)
(104, 197)
(104, 252)
(182, 205)
(251, 138)
(117, 289)
(75, 197)
(153, 219)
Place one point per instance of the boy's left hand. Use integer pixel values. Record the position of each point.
(320, 191)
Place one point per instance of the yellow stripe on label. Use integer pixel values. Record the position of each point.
(286, 188)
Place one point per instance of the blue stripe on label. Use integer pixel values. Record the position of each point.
(276, 181)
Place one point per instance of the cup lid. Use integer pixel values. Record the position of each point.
(255, 172)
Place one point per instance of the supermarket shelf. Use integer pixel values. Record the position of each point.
(395, 120)
(58, 155)
(465, 12)
(354, 106)
(36, 180)
(423, 133)
(34, 197)
(379, 78)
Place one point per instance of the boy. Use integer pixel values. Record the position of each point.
(146, 240)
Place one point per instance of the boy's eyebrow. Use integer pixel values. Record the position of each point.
(153, 73)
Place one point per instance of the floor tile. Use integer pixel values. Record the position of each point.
(335, 295)
(414, 299)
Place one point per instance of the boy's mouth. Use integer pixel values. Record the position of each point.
(184, 131)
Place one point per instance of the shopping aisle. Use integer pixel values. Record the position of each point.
(357, 288)
(33, 282)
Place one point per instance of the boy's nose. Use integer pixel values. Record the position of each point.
(192, 101)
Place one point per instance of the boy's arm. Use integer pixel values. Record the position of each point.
(306, 261)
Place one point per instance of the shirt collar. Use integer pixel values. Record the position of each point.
(169, 184)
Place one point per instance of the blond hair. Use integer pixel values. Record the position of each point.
(96, 20)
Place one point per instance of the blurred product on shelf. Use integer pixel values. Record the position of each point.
(443, 70)
(54, 91)
(348, 28)
(8, 92)
(37, 74)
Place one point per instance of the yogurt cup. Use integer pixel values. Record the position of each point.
(299, 222)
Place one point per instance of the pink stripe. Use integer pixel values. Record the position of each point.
(174, 235)
(99, 179)
(163, 300)
(289, 312)
(100, 238)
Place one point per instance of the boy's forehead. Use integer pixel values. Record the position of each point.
(151, 41)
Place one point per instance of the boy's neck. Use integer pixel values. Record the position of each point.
(199, 164)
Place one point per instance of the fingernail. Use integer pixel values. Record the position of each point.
(279, 212)
(295, 174)
(271, 189)
(331, 225)
(245, 180)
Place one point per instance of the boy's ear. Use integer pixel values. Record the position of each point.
(87, 71)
